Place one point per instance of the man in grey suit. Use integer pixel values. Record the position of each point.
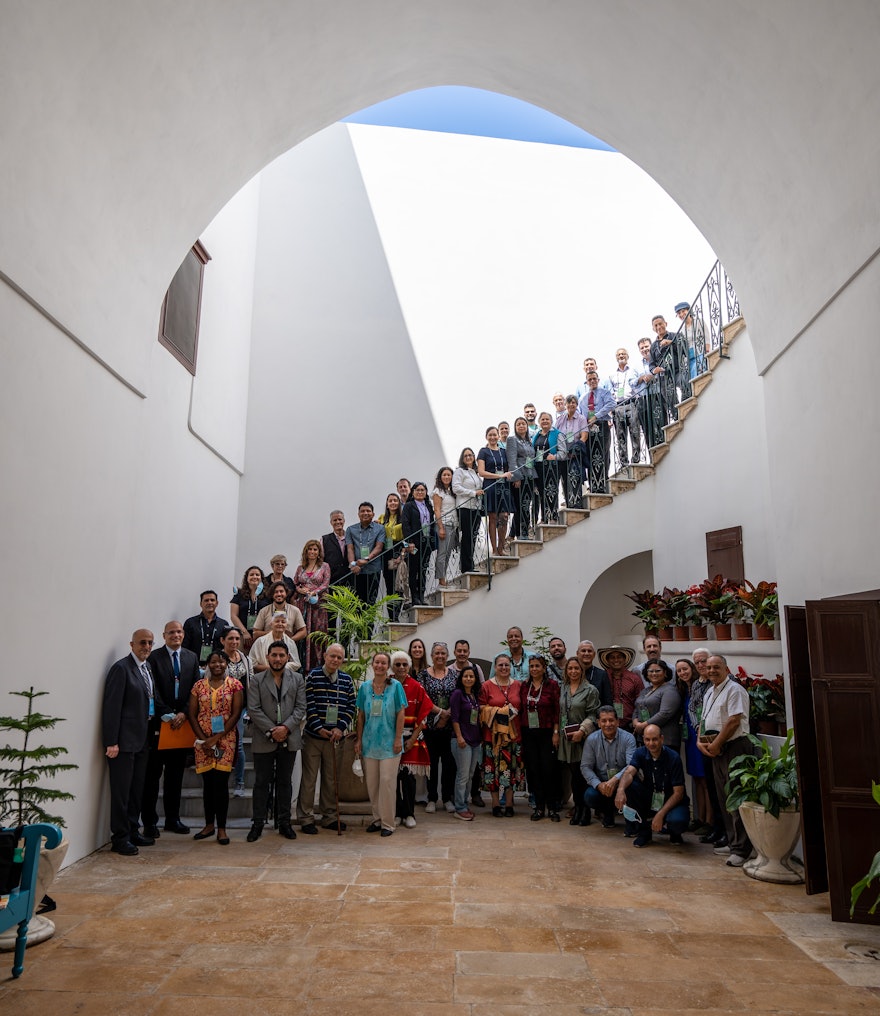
(129, 702)
(277, 706)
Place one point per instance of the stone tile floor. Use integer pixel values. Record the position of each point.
(499, 916)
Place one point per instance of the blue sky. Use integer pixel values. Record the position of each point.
(455, 109)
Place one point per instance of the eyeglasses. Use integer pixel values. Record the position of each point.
(439, 645)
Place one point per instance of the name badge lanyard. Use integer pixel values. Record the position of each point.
(532, 704)
(331, 714)
(278, 702)
(218, 723)
(658, 796)
(611, 770)
(472, 702)
(207, 639)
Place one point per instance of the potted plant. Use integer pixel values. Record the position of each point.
(650, 610)
(683, 610)
(717, 602)
(25, 794)
(764, 788)
(873, 872)
(766, 701)
(761, 606)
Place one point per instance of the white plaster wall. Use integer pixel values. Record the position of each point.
(110, 505)
(337, 409)
(824, 419)
(606, 614)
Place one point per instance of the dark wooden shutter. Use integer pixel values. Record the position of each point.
(724, 553)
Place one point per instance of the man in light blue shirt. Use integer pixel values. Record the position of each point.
(607, 752)
(597, 406)
(364, 543)
(622, 384)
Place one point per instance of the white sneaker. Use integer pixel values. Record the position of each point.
(409, 822)
(239, 790)
(450, 807)
(721, 850)
(430, 808)
(396, 821)
(735, 861)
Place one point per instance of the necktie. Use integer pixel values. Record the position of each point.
(591, 402)
(148, 679)
(176, 667)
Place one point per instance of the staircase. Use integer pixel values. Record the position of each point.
(621, 483)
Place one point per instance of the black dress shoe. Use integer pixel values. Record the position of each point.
(203, 835)
(256, 831)
(537, 815)
(310, 829)
(141, 841)
(387, 832)
(332, 825)
(554, 816)
(176, 827)
(287, 832)
(151, 830)
(478, 802)
(126, 849)
(373, 827)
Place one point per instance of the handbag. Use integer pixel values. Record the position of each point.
(11, 859)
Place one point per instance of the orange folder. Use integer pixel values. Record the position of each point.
(183, 737)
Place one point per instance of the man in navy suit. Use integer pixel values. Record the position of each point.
(129, 702)
(334, 551)
(175, 671)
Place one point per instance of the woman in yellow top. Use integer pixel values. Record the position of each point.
(392, 520)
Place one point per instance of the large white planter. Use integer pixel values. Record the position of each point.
(774, 839)
(39, 928)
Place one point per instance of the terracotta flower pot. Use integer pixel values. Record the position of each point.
(664, 634)
(680, 633)
(722, 633)
(743, 630)
(764, 632)
(699, 633)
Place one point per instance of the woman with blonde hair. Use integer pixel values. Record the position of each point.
(311, 581)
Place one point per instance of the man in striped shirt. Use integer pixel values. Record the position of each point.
(330, 711)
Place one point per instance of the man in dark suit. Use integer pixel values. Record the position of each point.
(129, 702)
(175, 671)
(335, 553)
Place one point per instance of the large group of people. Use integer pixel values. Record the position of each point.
(606, 739)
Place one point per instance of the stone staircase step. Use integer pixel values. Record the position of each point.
(714, 358)
(701, 383)
(571, 516)
(425, 613)
(686, 408)
(524, 548)
(550, 530)
(400, 630)
(449, 597)
(672, 430)
(621, 484)
(658, 453)
(640, 472)
(503, 564)
(732, 329)
(475, 580)
(599, 501)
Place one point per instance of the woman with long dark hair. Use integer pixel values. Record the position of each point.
(248, 601)
(539, 729)
(467, 485)
(492, 467)
(446, 517)
(419, 536)
(392, 520)
(467, 741)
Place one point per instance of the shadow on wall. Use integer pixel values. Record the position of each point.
(606, 615)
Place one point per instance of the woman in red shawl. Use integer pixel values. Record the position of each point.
(415, 760)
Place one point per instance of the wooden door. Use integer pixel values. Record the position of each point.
(804, 724)
(844, 641)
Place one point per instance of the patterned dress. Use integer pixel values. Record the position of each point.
(314, 614)
(215, 702)
(502, 763)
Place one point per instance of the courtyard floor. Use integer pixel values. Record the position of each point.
(497, 916)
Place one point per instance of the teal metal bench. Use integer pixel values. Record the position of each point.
(19, 908)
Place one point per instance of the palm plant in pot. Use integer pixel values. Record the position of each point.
(764, 788)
